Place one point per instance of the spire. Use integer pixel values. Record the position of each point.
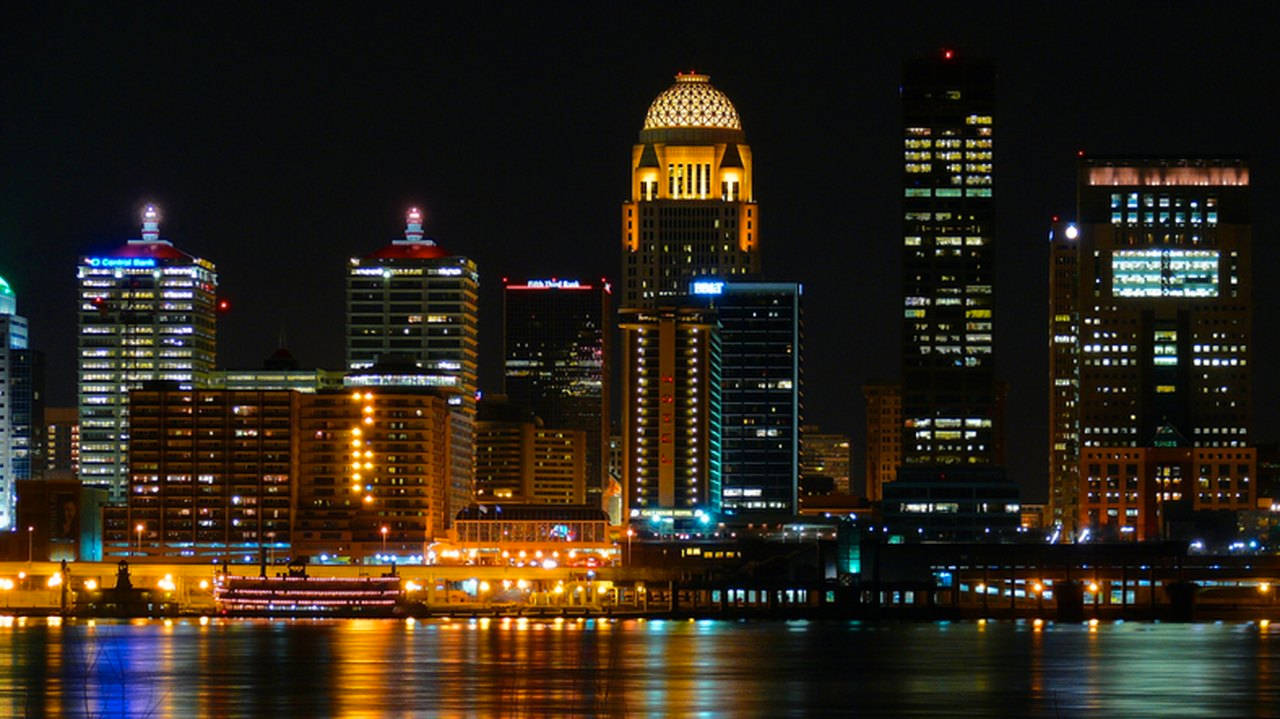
(413, 226)
(151, 224)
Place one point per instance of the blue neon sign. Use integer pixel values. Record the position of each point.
(121, 261)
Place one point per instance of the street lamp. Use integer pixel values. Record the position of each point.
(30, 533)
(384, 531)
(138, 528)
(630, 533)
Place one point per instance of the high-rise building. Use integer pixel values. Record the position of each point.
(211, 473)
(412, 321)
(951, 448)
(825, 455)
(520, 461)
(761, 392)
(948, 396)
(147, 312)
(373, 459)
(671, 414)
(692, 211)
(557, 345)
(413, 302)
(1162, 251)
(60, 447)
(16, 403)
(1064, 378)
(884, 436)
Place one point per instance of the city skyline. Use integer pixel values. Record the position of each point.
(339, 206)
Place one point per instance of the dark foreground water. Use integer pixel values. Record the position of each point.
(374, 668)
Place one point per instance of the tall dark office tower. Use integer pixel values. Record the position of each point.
(948, 394)
(692, 211)
(1064, 377)
(556, 338)
(761, 396)
(147, 312)
(1165, 300)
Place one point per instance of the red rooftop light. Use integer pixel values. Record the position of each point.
(948, 53)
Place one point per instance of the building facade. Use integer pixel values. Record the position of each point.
(1064, 379)
(147, 312)
(761, 392)
(557, 349)
(671, 414)
(692, 212)
(519, 460)
(60, 447)
(374, 459)
(826, 455)
(884, 436)
(17, 400)
(1164, 295)
(211, 474)
(412, 302)
(948, 396)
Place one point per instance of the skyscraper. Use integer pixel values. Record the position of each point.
(412, 321)
(413, 303)
(520, 461)
(1064, 378)
(692, 211)
(1164, 295)
(557, 345)
(15, 403)
(948, 395)
(671, 414)
(761, 392)
(951, 484)
(147, 312)
(884, 436)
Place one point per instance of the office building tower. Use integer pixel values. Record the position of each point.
(211, 474)
(520, 461)
(372, 459)
(412, 321)
(557, 348)
(950, 485)
(948, 396)
(884, 436)
(412, 302)
(761, 395)
(671, 415)
(147, 312)
(60, 447)
(1064, 379)
(16, 403)
(1164, 296)
(692, 211)
(825, 456)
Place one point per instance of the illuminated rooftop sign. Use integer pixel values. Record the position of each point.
(1164, 273)
(707, 287)
(120, 261)
(551, 284)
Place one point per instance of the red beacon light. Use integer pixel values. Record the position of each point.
(948, 53)
(224, 305)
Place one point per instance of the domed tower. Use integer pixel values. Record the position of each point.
(692, 212)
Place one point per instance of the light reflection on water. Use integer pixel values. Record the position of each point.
(373, 668)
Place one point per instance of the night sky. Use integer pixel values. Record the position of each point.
(280, 139)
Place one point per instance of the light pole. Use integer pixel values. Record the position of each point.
(139, 528)
(384, 531)
(30, 533)
(630, 533)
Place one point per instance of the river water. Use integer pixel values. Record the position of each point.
(374, 668)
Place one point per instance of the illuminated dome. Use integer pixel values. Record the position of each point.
(692, 103)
